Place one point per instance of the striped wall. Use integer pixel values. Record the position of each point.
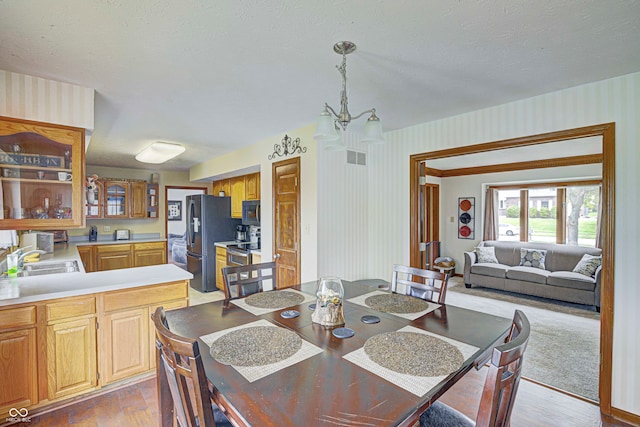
(386, 208)
(34, 98)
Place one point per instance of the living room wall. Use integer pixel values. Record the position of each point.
(612, 100)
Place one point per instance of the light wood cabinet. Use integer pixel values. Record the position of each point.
(116, 199)
(125, 343)
(252, 186)
(256, 258)
(43, 173)
(151, 253)
(222, 185)
(138, 199)
(94, 202)
(152, 200)
(221, 262)
(18, 358)
(237, 196)
(87, 257)
(113, 257)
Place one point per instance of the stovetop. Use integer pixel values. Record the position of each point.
(244, 246)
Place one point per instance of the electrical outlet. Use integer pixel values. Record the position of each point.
(106, 228)
(450, 219)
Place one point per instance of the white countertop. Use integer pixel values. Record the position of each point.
(233, 242)
(21, 290)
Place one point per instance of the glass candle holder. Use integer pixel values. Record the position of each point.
(329, 302)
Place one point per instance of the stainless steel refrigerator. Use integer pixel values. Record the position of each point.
(208, 221)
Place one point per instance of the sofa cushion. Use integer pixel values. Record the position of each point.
(490, 269)
(532, 257)
(588, 265)
(486, 254)
(569, 279)
(528, 274)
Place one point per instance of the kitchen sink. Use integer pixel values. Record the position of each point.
(42, 268)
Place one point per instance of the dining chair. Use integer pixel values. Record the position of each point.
(179, 358)
(244, 280)
(434, 288)
(500, 387)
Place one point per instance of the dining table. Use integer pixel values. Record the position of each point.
(373, 378)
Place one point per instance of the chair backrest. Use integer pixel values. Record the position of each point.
(434, 288)
(502, 381)
(245, 280)
(182, 363)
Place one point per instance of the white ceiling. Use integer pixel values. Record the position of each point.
(217, 75)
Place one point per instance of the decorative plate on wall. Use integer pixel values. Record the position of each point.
(466, 218)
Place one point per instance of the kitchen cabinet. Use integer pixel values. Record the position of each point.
(18, 358)
(256, 258)
(221, 262)
(87, 256)
(151, 253)
(116, 199)
(128, 333)
(42, 175)
(72, 363)
(152, 200)
(237, 196)
(138, 199)
(252, 186)
(94, 203)
(113, 257)
(222, 185)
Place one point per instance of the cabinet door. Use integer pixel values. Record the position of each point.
(116, 199)
(252, 186)
(221, 262)
(152, 253)
(71, 357)
(256, 258)
(87, 257)
(138, 197)
(237, 196)
(113, 257)
(18, 369)
(43, 177)
(126, 343)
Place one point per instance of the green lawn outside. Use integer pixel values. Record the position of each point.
(547, 226)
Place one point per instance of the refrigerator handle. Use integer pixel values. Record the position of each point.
(192, 224)
(258, 213)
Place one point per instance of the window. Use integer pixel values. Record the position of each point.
(555, 214)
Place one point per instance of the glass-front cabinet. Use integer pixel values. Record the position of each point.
(116, 199)
(42, 175)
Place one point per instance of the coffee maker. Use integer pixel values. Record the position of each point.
(254, 236)
(242, 233)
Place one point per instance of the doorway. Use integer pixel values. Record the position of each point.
(606, 133)
(175, 222)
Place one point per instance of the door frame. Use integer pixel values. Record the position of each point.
(607, 132)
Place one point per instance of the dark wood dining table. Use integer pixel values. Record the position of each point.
(326, 389)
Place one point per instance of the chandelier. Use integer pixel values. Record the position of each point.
(329, 123)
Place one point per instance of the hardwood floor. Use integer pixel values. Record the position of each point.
(137, 405)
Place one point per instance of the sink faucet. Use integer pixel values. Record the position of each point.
(21, 257)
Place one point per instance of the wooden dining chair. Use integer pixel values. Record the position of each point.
(244, 280)
(434, 288)
(180, 365)
(500, 387)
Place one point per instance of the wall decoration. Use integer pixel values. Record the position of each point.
(174, 210)
(286, 147)
(467, 218)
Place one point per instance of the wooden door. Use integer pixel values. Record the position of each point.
(113, 257)
(237, 196)
(71, 357)
(429, 225)
(151, 253)
(18, 369)
(252, 186)
(126, 343)
(87, 257)
(286, 221)
(138, 197)
(221, 262)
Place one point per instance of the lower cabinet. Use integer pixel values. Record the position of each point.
(122, 255)
(18, 369)
(221, 262)
(87, 257)
(126, 344)
(113, 257)
(151, 253)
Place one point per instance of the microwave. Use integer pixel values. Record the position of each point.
(251, 212)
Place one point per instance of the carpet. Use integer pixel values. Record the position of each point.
(564, 346)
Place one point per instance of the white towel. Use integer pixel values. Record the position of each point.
(8, 238)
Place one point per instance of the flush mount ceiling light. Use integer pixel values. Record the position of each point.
(327, 129)
(159, 152)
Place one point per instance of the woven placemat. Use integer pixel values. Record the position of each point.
(274, 299)
(416, 384)
(254, 373)
(387, 299)
(255, 346)
(404, 352)
(396, 303)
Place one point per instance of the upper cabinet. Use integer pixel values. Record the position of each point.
(122, 198)
(116, 199)
(239, 188)
(42, 179)
(252, 186)
(237, 196)
(138, 199)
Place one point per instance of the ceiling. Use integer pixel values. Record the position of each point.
(219, 75)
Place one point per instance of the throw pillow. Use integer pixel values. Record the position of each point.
(486, 254)
(532, 257)
(588, 265)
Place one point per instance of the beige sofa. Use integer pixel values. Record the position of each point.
(556, 281)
